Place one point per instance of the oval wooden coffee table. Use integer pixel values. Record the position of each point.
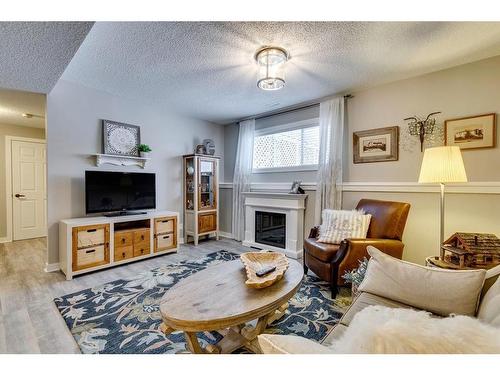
(217, 299)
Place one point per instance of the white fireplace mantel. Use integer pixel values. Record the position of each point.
(292, 205)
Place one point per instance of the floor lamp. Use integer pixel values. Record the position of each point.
(442, 165)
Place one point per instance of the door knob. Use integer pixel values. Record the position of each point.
(20, 195)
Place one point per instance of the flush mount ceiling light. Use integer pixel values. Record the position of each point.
(271, 62)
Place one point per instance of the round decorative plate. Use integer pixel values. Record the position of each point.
(122, 140)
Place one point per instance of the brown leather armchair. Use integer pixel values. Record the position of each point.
(329, 261)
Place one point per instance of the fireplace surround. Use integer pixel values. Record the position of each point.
(275, 221)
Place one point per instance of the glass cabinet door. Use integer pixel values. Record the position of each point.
(189, 185)
(207, 186)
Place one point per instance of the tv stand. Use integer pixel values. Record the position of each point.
(93, 243)
(124, 213)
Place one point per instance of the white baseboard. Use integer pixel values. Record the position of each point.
(5, 239)
(52, 267)
(226, 235)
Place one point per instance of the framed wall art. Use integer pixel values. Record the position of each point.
(471, 132)
(376, 145)
(120, 139)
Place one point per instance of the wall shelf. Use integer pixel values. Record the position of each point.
(120, 160)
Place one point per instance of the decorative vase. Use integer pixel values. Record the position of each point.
(143, 154)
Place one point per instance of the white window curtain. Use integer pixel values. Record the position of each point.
(331, 135)
(242, 175)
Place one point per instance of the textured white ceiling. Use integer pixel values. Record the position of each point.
(14, 103)
(207, 69)
(33, 55)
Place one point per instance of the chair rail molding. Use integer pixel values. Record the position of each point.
(479, 187)
(487, 187)
(278, 186)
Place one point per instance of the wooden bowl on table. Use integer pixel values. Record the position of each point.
(255, 261)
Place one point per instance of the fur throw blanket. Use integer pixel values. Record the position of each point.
(379, 330)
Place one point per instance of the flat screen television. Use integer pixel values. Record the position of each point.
(119, 192)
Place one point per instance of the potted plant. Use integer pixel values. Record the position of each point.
(356, 276)
(144, 150)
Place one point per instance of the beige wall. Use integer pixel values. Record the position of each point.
(464, 212)
(17, 131)
(461, 91)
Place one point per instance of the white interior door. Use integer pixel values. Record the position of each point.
(29, 197)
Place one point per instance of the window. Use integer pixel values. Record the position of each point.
(287, 147)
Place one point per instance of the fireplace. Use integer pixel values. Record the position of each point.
(275, 221)
(270, 228)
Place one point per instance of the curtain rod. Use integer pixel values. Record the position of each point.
(291, 108)
(285, 111)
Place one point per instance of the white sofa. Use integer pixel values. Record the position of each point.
(374, 292)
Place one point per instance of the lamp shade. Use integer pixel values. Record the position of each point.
(442, 165)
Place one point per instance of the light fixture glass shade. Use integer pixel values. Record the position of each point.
(442, 165)
(271, 62)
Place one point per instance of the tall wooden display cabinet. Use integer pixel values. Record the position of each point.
(201, 194)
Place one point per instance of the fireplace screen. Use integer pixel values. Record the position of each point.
(270, 228)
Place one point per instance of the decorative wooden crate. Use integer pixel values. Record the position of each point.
(90, 246)
(165, 235)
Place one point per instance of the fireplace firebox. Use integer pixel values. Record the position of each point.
(270, 228)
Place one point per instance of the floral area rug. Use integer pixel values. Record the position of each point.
(123, 316)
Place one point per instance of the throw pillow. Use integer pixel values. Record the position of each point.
(489, 309)
(337, 225)
(440, 291)
(492, 275)
(385, 330)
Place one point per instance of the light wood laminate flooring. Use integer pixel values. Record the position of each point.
(29, 320)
